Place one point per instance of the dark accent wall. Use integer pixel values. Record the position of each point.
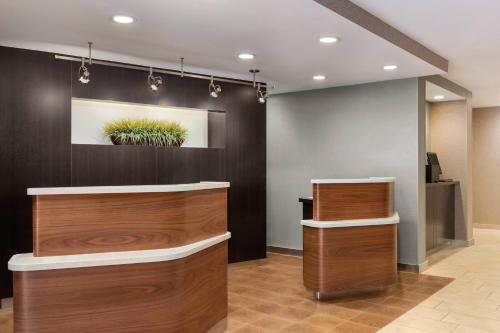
(36, 150)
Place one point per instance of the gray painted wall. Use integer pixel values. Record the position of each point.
(346, 132)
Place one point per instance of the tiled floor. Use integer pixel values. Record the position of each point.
(267, 296)
(471, 303)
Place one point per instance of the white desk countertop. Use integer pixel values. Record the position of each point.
(126, 189)
(351, 223)
(28, 262)
(355, 180)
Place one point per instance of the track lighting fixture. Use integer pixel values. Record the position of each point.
(154, 82)
(214, 89)
(261, 95)
(83, 71)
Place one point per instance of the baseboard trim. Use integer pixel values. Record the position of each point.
(413, 268)
(486, 226)
(463, 243)
(284, 250)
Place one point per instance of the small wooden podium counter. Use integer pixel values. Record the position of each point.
(350, 244)
(128, 259)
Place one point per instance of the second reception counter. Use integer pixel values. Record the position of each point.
(124, 259)
(350, 245)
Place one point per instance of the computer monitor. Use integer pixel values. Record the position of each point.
(432, 159)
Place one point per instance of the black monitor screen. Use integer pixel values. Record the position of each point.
(432, 159)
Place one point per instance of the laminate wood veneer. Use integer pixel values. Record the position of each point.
(78, 224)
(333, 202)
(185, 295)
(349, 259)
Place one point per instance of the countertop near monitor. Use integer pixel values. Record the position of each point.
(442, 183)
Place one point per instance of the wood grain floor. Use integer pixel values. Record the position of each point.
(268, 296)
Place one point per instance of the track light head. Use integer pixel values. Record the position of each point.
(154, 82)
(83, 73)
(214, 89)
(261, 95)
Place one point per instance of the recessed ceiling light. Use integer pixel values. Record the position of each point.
(123, 19)
(319, 77)
(246, 56)
(328, 40)
(390, 67)
(439, 97)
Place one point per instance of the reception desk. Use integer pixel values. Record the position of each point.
(124, 259)
(350, 244)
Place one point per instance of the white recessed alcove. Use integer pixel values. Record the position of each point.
(89, 117)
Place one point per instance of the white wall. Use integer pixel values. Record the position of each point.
(89, 117)
(357, 131)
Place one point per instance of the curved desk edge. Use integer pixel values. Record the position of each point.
(351, 223)
(126, 189)
(355, 180)
(27, 262)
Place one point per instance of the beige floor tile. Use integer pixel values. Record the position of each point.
(476, 310)
(468, 329)
(431, 303)
(430, 325)
(474, 322)
(428, 313)
(394, 328)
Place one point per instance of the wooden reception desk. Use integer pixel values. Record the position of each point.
(124, 259)
(350, 244)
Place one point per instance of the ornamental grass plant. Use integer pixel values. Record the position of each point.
(147, 132)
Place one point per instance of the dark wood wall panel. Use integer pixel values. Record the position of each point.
(100, 165)
(178, 166)
(35, 133)
(246, 162)
(213, 165)
(216, 129)
(35, 97)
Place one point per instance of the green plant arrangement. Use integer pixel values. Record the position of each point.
(146, 132)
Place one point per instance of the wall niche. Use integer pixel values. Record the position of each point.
(206, 128)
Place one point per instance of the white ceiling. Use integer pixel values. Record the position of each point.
(465, 32)
(283, 34)
(432, 90)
